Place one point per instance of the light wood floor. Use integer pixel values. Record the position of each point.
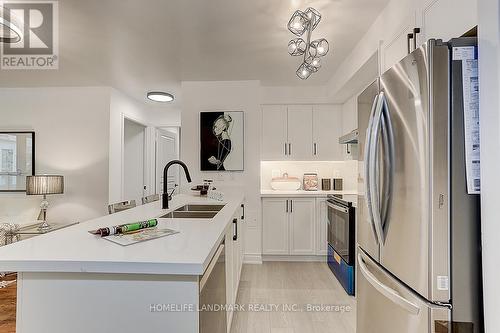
(292, 283)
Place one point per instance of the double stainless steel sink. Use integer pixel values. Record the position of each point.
(195, 211)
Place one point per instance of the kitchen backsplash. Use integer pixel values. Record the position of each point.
(347, 170)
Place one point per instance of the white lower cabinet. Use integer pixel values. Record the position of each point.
(234, 246)
(302, 225)
(275, 226)
(288, 226)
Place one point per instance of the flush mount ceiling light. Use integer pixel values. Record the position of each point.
(160, 96)
(306, 22)
(9, 27)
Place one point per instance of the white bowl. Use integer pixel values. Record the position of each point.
(288, 185)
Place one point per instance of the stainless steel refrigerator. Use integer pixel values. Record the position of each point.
(419, 255)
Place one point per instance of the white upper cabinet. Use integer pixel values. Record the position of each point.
(300, 145)
(274, 132)
(396, 47)
(301, 132)
(327, 128)
(438, 19)
(446, 19)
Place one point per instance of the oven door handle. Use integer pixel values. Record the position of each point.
(211, 266)
(337, 207)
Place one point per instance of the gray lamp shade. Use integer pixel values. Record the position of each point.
(44, 184)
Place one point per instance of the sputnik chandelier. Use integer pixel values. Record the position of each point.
(305, 22)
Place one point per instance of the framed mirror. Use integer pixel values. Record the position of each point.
(17, 160)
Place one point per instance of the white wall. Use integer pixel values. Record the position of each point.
(71, 126)
(489, 76)
(227, 96)
(134, 159)
(79, 134)
(121, 107)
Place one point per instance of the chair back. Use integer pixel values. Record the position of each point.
(121, 206)
(150, 198)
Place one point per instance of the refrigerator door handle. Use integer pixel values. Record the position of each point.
(373, 170)
(367, 165)
(388, 166)
(389, 293)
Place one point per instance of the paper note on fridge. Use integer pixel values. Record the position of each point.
(468, 56)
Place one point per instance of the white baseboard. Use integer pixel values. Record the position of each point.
(297, 258)
(252, 259)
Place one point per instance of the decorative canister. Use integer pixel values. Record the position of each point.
(310, 181)
(326, 184)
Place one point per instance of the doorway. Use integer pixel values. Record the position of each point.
(133, 160)
(167, 149)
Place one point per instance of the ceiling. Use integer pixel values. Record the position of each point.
(136, 46)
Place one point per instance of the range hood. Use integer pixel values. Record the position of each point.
(349, 138)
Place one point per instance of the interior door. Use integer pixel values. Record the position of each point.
(386, 305)
(133, 160)
(405, 248)
(300, 127)
(364, 228)
(167, 149)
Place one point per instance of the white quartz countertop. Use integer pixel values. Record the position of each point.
(301, 193)
(73, 249)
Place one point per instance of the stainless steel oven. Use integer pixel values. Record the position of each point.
(341, 224)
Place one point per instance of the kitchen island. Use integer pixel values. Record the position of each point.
(72, 281)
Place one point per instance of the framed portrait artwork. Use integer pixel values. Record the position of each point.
(222, 141)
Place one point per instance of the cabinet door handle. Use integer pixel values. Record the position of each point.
(291, 206)
(243, 211)
(289, 149)
(285, 150)
(235, 236)
(415, 32)
(315, 146)
(286, 209)
(410, 36)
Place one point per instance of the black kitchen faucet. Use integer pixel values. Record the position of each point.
(166, 197)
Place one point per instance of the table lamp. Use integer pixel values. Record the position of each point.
(44, 185)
